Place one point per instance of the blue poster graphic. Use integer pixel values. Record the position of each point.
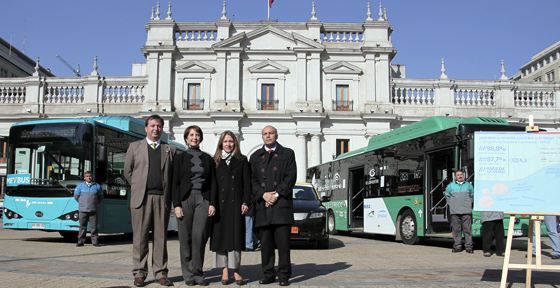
(517, 172)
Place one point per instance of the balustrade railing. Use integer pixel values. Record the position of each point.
(124, 93)
(193, 104)
(534, 99)
(196, 32)
(342, 36)
(474, 97)
(12, 95)
(64, 94)
(344, 105)
(413, 96)
(267, 104)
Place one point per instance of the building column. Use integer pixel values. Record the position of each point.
(302, 78)
(301, 156)
(316, 153)
(164, 81)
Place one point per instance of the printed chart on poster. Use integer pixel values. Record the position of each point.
(517, 172)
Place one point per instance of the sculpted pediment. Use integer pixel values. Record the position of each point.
(268, 67)
(342, 67)
(194, 67)
(268, 38)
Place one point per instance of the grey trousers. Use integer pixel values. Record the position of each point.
(84, 218)
(193, 235)
(464, 221)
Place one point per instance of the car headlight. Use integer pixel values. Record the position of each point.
(70, 216)
(317, 215)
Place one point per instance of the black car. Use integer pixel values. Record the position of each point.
(310, 216)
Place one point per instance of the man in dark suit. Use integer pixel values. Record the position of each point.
(273, 173)
(147, 168)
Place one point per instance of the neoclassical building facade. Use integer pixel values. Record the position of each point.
(326, 87)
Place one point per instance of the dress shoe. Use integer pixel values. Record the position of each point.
(164, 281)
(225, 281)
(555, 256)
(239, 282)
(470, 251)
(266, 281)
(203, 283)
(139, 282)
(96, 245)
(79, 244)
(190, 283)
(456, 250)
(284, 283)
(533, 255)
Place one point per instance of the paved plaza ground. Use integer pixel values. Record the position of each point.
(42, 259)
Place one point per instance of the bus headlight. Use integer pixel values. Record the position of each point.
(11, 214)
(317, 215)
(70, 216)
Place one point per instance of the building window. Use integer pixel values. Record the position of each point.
(342, 102)
(268, 101)
(535, 67)
(538, 79)
(550, 76)
(342, 146)
(554, 56)
(3, 72)
(193, 101)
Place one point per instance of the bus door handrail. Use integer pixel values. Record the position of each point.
(361, 203)
(432, 192)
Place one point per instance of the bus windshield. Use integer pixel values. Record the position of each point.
(53, 156)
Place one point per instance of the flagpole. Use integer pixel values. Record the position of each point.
(268, 6)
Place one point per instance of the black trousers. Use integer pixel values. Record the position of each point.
(495, 227)
(276, 236)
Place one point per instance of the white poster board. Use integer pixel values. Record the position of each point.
(517, 172)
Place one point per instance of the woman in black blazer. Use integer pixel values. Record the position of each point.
(234, 195)
(195, 195)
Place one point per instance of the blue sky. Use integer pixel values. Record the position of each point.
(473, 36)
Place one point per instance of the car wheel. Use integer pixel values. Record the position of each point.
(323, 244)
(69, 235)
(331, 224)
(409, 228)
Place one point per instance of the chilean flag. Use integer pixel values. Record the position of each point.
(270, 3)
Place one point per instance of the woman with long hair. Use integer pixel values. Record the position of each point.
(195, 197)
(234, 195)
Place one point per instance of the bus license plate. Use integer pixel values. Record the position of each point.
(518, 232)
(37, 225)
(295, 230)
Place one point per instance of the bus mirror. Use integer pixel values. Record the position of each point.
(102, 154)
(325, 198)
(470, 149)
(41, 149)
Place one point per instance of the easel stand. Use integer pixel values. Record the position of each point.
(535, 221)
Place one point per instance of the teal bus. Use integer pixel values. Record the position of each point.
(395, 185)
(47, 159)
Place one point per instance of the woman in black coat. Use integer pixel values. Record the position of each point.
(233, 176)
(195, 196)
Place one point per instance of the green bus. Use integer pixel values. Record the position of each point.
(395, 185)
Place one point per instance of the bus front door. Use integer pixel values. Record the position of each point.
(439, 166)
(356, 188)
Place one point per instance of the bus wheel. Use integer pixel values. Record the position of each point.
(409, 229)
(331, 224)
(69, 235)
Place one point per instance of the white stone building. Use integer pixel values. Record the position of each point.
(326, 87)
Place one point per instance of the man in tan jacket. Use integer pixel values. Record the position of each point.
(147, 168)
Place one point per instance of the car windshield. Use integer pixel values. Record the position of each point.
(304, 193)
